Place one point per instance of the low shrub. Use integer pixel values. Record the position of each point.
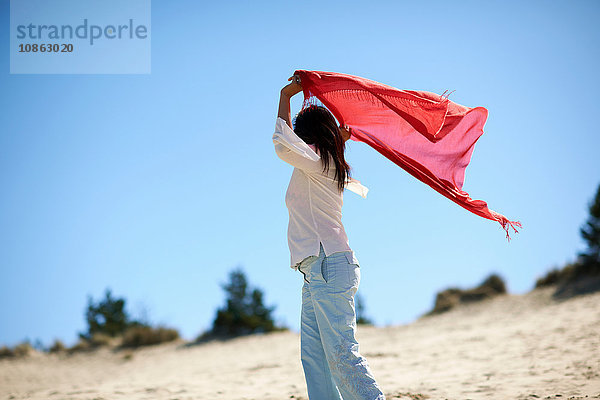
(21, 350)
(100, 340)
(94, 342)
(146, 335)
(80, 346)
(447, 299)
(57, 347)
(556, 276)
(573, 279)
(6, 352)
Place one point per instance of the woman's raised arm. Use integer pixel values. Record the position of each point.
(284, 99)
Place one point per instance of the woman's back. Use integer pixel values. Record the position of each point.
(313, 198)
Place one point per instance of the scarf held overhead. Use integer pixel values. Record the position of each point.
(427, 135)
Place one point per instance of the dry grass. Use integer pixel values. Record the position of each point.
(81, 345)
(21, 350)
(146, 335)
(57, 347)
(6, 352)
(101, 340)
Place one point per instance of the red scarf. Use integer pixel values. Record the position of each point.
(426, 134)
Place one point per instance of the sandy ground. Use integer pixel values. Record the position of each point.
(511, 347)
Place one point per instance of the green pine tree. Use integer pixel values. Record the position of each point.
(107, 316)
(591, 234)
(244, 311)
(361, 317)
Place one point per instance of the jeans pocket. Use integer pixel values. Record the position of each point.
(351, 257)
(302, 265)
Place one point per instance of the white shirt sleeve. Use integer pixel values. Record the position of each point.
(293, 150)
(355, 186)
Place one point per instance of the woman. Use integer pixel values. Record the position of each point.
(319, 248)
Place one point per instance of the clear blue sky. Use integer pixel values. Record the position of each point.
(158, 185)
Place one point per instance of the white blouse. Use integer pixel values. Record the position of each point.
(313, 200)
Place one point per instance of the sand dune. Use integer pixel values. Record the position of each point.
(512, 347)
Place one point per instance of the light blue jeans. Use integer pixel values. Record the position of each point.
(333, 367)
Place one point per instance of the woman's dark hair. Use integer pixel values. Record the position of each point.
(316, 125)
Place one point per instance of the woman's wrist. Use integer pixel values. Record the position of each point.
(284, 108)
(285, 94)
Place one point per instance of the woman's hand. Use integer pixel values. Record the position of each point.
(345, 132)
(293, 87)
